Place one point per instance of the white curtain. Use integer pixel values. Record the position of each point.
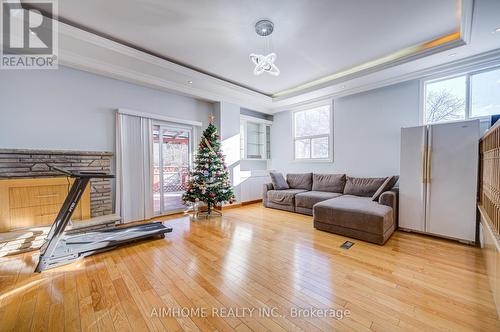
(134, 167)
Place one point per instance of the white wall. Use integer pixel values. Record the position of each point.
(366, 133)
(229, 119)
(68, 109)
(253, 165)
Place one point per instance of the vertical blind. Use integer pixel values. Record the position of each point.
(134, 171)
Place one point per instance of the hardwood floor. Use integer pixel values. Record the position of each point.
(254, 258)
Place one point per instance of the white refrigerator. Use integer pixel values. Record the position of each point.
(438, 181)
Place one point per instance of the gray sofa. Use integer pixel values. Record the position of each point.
(361, 208)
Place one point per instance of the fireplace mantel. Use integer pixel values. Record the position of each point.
(28, 163)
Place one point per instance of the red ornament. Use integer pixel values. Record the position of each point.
(212, 195)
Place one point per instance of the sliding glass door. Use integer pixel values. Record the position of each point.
(172, 146)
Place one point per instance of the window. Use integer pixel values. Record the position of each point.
(313, 134)
(468, 96)
(485, 93)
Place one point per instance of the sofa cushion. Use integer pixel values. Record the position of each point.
(360, 213)
(283, 197)
(278, 181)
(309, 198)
(334, 183)
(387, 185)
(364, 187)
(300, 181)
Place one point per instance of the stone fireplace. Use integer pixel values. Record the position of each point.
(25, 164)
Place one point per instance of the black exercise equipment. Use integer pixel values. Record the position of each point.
(61, 248)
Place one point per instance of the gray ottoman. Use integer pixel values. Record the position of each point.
(357, 217)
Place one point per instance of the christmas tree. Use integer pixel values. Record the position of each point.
(209, 180)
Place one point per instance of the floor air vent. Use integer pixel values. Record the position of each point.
(347, 245)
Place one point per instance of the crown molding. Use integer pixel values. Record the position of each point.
(86, 51)
(466, 17)
(125, 63)
(114, 46)
(415, 52)
(484, 60)
(400, 57)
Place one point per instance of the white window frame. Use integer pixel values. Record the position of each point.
(329, 135)
(468, 93)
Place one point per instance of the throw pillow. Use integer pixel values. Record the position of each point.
(334, 183)
(278, 181)
(364, 187)
(300, 181)
(387, 185)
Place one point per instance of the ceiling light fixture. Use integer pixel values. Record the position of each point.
(265, 63)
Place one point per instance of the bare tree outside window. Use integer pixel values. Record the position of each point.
(443, 106)
(445, 100)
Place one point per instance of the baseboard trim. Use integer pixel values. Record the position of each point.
(436, 236)
(227, 207)
(237, 205)
(251, 202)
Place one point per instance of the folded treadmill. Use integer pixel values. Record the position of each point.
(61, 248)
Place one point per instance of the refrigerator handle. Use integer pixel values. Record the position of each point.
(428, 147)
(424, 178)
(429, 157)
(429, 154)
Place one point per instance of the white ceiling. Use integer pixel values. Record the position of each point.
(312, 38)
